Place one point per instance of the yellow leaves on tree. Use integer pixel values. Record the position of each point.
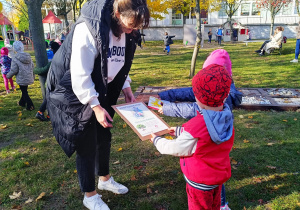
(157, 8)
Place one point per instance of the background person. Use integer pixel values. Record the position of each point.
(297, 48)
(85, 80)
(5, 63)
(22, 66)
(168, 41)
(275, 42)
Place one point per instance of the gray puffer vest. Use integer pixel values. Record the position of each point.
(70, 119)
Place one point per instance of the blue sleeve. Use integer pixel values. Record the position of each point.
(183, 110)
(234, 98)
(181, 94)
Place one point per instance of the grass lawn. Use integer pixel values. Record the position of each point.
(265, 157)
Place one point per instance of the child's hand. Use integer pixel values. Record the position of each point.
(172, 131)
(153, 137)
(160, 110)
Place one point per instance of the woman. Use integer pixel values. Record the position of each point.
(275, 41)
(22, 66)
(84, 81)
(297, 49)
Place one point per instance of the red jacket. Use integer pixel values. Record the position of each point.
(210, 164)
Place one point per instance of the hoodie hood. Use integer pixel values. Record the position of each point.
(220, 57)
(23, 57)
(219, 124)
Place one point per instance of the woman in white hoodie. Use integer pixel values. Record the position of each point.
(275, 41)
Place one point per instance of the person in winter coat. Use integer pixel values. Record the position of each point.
(204, 142)
(297, 49)
(275, 42)
(220, 34)
(22, 66)
(234, 99)
(5, 63)
(168, 41)
(85, 79)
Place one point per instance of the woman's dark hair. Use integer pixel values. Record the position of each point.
(136, 9)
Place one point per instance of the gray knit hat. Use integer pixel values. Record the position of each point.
(18, 46)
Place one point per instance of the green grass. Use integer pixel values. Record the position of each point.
(266, 175)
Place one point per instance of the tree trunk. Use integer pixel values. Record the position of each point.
(272, 24)
(143, 37)
(37, 31)
(198, 39)
(231, 29)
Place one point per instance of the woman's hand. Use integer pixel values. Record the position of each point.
(102, 116)
(172, 131)
(129, 97)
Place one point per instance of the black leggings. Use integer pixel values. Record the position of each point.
(25, 99)
(262, 46)
(93, 153)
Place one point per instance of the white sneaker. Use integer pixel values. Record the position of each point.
(226, 207)
(95, 203)
(294, 61)
(112, 186)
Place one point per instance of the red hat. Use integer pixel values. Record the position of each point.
(211, 85)
(4, 51)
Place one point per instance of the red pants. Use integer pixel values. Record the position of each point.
(203, 200)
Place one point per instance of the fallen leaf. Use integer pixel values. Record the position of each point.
(149, 190)
(20, 114)
(171, 182)
(157, 154)
(244, 208)
(15, 195)
(29, 124)
(75, 171)
(257, 180)
(120, 149)
(298, 204)
(169, 137)
(16, 207)
(270, 144)
(34, 149)
(133, 178)
(235, 168)
(233, 161)
(295, 119)
(124, 125)
(284, 120)
(271, 167)
(260, 201)
(27, 163)
(156, 191)
(245, 141)
(29, 200)
(40, 196)
(138, 167)
(51, 193)
(117, 162)
(3, 126)
(41, 136)
(145, 160)
(241, 116)
(250, 117)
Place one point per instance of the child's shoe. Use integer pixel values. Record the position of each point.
(112, 186)
(294, 61)
(95, 203)
(8, 92)
(226, 207)
(39, 115)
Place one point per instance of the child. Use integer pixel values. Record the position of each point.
(5, 63)
(204, 142)
(209, 35)
(22, 67)
(168, 41)
(234, 99)
(220, 34)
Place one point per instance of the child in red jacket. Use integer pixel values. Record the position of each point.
(204, 142)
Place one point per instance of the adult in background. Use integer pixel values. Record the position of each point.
(275, 42)
(22, 66)
(220, 34)
(85, 79)
(297, 49)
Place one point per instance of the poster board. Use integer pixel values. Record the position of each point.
(142, 120)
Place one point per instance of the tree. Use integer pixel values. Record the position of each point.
(182, 6)
(297, 4)
(273, 6)
(157, 8)
(37, 31)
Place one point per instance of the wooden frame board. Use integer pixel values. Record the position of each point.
(142, 120)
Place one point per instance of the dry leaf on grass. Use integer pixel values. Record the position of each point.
(124, 125)
(29, 124)
(27, 163)
(284, 120)
(233, 161)
(16, 207)
(75, 171)
(157, 154)
(133, 178)
(169, 137)
(40, 196)
(271, 167)
(29, 200)
(120, 149)
(138, 167)
(149, 190)
(270, 144)
(250, 117)
(15, 195)
(246, 141)
(3, 126)
(295, 119)
(117, 162)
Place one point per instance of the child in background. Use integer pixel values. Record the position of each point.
(209, 35)
(220, 34)
(204, 142)
(5, 63)
(168, 41)
(22, 67)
